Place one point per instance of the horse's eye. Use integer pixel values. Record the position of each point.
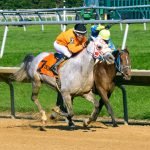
(99, 46)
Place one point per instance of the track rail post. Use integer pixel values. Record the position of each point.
(125, 108)
(12, 99)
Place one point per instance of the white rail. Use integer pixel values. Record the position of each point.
(45, 17)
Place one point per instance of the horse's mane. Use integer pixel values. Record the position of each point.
(115, 53)
(126, 49)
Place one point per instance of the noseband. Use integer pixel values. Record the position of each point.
(97, 53)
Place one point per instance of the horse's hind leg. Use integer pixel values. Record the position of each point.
(36, 84)
(90, 97)
(59, 105)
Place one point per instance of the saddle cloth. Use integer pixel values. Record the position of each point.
(45, 65)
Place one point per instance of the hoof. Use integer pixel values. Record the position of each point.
(44, 122)
(71, 125)
(43, 117)
(42, 128)
(53, 116)
(115, 125)
(85, 123)
(56, 110)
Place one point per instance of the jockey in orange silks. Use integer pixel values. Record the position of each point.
(68, 43)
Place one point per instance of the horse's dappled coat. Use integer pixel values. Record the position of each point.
(76, 77)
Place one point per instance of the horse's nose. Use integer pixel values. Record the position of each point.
(128, 75)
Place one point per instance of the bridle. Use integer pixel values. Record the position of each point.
(97, 53)
(120, 67)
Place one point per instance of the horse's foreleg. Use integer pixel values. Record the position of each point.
(90, 97)
(110, 112)
(35, 90)
(68, 103)
(105, 100)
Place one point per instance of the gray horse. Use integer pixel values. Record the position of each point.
(76, 78)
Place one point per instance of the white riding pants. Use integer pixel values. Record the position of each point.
(62, 49)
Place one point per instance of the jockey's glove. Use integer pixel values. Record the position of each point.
(85, 44)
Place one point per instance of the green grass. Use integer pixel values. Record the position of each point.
(20, 43)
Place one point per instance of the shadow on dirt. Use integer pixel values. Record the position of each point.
(91, 128)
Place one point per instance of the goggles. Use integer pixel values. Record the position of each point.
(79, 34)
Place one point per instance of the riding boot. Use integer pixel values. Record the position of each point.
(54, 68)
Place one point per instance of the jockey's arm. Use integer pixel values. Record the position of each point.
(75, 49)
(111, 45)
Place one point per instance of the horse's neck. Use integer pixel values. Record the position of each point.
(83, 59)
(110, 70)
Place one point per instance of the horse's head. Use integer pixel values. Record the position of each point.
(97, 48)
(123, 63)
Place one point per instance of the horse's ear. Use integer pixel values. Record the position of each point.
(92, 38)
(126, 48)
(115, 53)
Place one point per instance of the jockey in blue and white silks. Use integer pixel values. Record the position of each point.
(104, 33)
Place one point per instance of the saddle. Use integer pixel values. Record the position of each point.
(45, 65)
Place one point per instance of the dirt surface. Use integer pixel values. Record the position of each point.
(23, 134)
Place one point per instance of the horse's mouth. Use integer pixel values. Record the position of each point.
(126, 77)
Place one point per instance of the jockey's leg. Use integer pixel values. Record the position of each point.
(64, 53)
(111, 45)
(54, 68)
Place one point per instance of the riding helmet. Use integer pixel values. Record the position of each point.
(80, 28)
(104, 34)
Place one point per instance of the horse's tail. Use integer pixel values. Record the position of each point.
(22, 73)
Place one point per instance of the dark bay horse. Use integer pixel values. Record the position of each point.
(104, 77)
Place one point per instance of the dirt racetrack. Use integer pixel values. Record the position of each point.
(23, 134)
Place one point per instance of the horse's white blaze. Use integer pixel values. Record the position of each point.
(127, 60)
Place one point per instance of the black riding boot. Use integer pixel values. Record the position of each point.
(54, 68)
